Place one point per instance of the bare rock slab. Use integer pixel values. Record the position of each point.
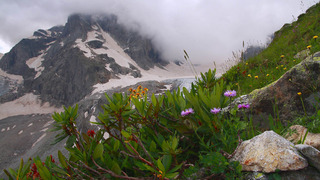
(311, 153)
(268, 152)
(299, 132)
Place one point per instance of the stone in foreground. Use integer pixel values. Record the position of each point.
(311, 153)
(268, 152)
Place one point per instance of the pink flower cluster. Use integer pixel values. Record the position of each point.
(244, 106)
(187, 112)
(230, 93)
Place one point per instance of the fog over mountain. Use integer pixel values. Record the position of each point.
(208, 30)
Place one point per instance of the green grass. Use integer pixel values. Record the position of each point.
(268, 66)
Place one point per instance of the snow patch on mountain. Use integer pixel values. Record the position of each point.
(116, 52)
(109, 47)
(17, 78)
(171, 71)
(27, 104)
(84, 48)
(36, 64)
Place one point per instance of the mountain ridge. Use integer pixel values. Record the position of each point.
(81, 48)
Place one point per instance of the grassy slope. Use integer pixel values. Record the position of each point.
(268, 66)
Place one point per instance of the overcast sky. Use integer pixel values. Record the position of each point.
(208, 29)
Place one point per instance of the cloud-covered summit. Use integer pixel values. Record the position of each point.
(208, 30)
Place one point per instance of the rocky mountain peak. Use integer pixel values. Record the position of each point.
(63, 63)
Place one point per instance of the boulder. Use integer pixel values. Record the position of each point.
(311, 153)
(267, 153)
(298, 133)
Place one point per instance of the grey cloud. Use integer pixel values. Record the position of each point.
(208, 30)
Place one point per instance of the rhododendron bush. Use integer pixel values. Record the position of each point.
(169, 136)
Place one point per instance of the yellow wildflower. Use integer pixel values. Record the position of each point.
(294, 60)
(267, 75)
(277, 67)
(246, 63)
(249, 75)
(308, 47)
(282, 56)
(315, 37)
(256, 77)
(299, 93)
(281, 65)
(284, 68)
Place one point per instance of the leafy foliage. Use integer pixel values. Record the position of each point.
(147, 137)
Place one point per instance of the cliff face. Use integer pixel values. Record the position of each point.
(63, 63)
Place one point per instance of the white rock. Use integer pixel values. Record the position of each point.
(268, 152)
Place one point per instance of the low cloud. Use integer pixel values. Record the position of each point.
(208, 30)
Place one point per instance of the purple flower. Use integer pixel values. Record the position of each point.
(231, 93)
(215, 110)
(244, 106)
(187, 112)
(247, 106)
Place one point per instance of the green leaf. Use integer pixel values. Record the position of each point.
(125, 134)
(116, 145)
(98, 151)
(86, 138)
(153, 99)
(13, 172)
(20, 168)
(160, 165)
(172, 175)
(165, 146)
(70, 141)
(149, 168)
(116, 168)
(26, 169)
(153, 146)
(58, 170)
(167, 160)
(62, 159)
(175, 168)
(8, 174)
(175, 142)
(43, 171)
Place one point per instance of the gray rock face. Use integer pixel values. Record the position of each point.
(311, 153)
(65, 74)
(268, 152)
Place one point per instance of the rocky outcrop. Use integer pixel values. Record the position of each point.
(282, 94)
(267, 153)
